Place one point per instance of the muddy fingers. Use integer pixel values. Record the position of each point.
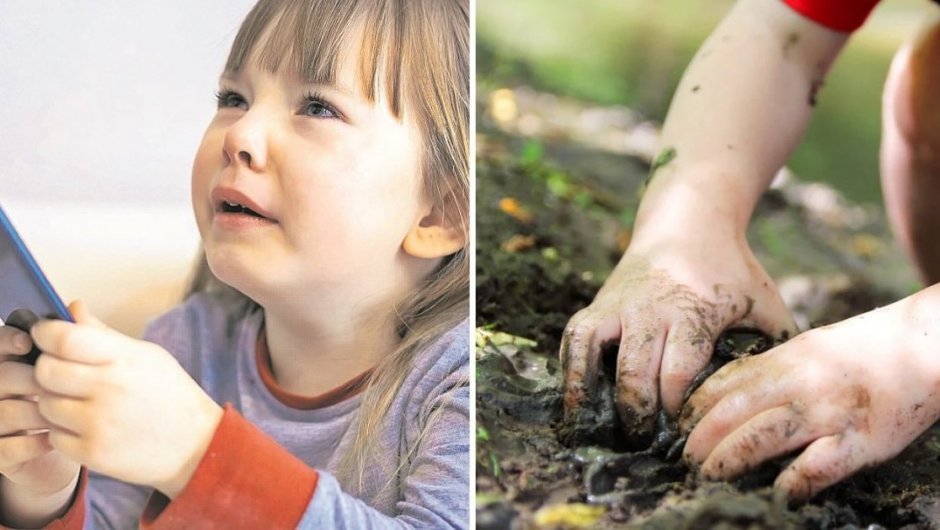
(580, 355)
(772, 433)
(682, 361)
(637, 384)
(824, 462)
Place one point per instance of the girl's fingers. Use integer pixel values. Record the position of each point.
(66, 378)
(770, 434)
(16, 379)
(14, 341)
(63, 412)
(16, 450)
(17, 416)
(82, 315)
(67, 443)
(825, 462)
(580, 355)
(79, 343)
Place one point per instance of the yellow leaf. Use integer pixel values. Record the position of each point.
(576, 515)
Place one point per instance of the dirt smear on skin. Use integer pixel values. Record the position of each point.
(531, 458)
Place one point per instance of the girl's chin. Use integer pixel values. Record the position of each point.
(237, 274)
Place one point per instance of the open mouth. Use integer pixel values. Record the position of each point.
(231, 207)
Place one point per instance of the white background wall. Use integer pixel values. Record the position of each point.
(102, 106)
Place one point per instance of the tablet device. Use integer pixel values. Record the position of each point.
(25, 294)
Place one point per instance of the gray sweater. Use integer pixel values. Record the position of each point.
(215, 343)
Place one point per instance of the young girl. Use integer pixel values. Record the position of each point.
(328, 317)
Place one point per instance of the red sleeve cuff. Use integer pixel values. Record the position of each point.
(245, 480)
(74, 518)
(839, 15)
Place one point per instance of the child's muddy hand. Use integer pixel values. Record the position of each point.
(666, 307)
(121, 406)
(847, 396)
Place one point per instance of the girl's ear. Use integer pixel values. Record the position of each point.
(434, 235)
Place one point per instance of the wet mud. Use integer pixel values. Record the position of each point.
(552, 221)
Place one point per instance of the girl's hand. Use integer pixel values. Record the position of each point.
(666, 304)
(853, 394)
(121, 406)
(37, 480)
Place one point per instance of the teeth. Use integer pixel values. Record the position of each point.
(232, 207)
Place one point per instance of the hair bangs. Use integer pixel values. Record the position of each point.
(310, 39)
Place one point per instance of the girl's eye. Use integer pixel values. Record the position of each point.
(316, 107)
(230, 99)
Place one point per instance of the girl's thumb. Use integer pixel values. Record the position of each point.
(82, 315)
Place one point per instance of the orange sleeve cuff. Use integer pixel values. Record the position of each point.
(74, 518)
(245, 480)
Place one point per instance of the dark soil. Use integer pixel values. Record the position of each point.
(550, 226)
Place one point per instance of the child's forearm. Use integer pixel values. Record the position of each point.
(739, 111)
(25, 508)
(921, 321)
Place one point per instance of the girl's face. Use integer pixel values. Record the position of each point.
(306, 191)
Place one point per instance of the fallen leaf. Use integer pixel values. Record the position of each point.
(575, 515)
(518, 243)
(511, 207)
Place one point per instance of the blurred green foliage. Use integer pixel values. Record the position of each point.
(633, 52)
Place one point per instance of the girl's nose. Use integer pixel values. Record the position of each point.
(245, 142)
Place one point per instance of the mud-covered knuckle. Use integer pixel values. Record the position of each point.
(575, 362)
(635, 408)
(576, 339)
(673, 387)
(628, 397)
(677, 374)
(818, 469)
(693, 454)
(634, 383)
(815, 380)
(575, 395)
(703, 400)
(689, 416)
(745, 446)
(805, 481)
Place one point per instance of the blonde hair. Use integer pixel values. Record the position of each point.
(417, 51)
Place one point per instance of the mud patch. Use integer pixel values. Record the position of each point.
(531, 458)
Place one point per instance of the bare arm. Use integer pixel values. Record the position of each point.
(688, 274)
(739, 112)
